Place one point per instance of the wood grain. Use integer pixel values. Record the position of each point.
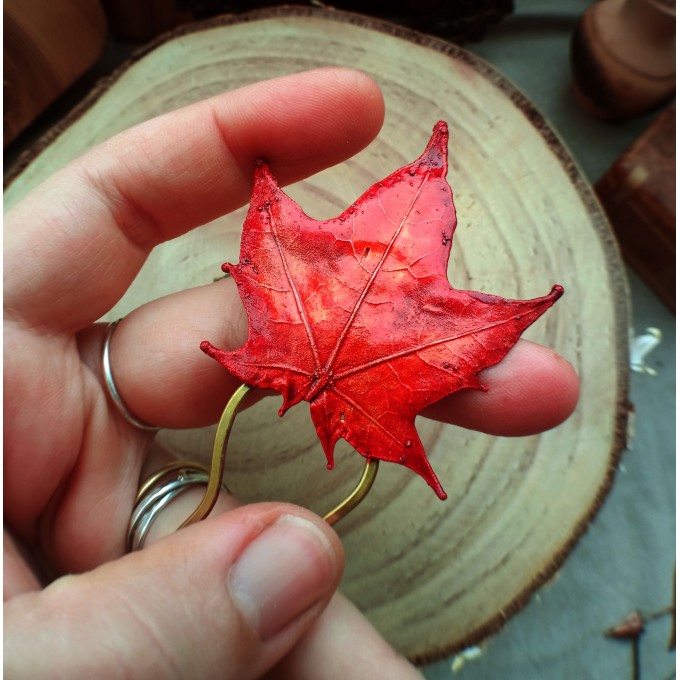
(433, 576)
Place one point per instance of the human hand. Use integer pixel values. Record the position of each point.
(231, 596)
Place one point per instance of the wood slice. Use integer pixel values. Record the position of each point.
(433, 576)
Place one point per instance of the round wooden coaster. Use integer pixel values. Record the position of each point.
(433, 576)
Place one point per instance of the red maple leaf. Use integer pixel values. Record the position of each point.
(356, 315)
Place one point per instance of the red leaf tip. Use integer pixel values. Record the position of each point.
(436, 152)
(440, 136)
(441, 127)
(557, 291)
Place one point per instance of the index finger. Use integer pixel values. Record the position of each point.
(80, 238)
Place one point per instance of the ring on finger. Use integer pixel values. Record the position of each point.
(157, 492)
(111, 385)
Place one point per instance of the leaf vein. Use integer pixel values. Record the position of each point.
(281, 367)
(427, 345)
(296, 293)
(355, 405)
(376, 271)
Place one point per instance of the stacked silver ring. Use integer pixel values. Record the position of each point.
(157, 493)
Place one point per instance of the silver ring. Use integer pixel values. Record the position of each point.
(158, 492)
(111, 385)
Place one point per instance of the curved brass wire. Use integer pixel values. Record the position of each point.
(358, 495)
(224, 428)
(219, 454)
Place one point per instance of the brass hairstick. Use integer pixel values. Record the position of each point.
(224, 428)
(170, 481)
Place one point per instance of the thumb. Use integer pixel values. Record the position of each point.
(225, 598)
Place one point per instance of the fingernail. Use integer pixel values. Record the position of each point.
(288, 568)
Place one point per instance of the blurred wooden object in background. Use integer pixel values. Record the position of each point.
(458, 21)
(623, 57)
(47, 46)
(638, 194)
(135, 20)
